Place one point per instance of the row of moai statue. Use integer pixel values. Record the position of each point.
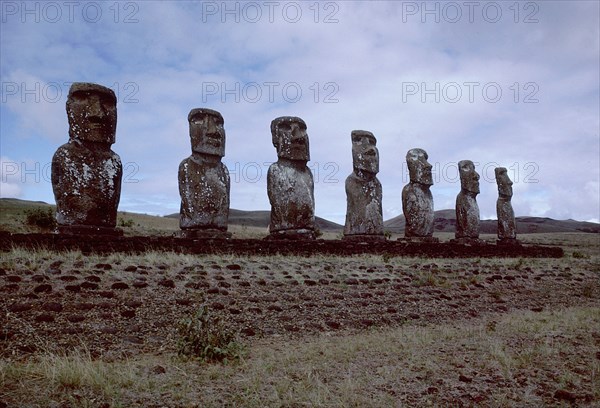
(86, 179)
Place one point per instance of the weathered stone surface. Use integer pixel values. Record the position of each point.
(204, 182)
(364, 215)
(86, 173)
(290, 184)
(467, 210)
(507, 225)
(417, 200)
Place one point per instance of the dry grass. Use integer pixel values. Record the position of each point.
(520, 359)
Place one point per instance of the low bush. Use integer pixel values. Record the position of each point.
(41, 218)
(126, 223)
(204, 336)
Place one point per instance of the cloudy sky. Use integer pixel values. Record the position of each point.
(512, 84)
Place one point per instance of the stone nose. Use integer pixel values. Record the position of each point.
(211, 127)
(371, 151)
(297, 134)
(295, 131)
(95, 108)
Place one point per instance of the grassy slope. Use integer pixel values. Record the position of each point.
(519, 359)
(12, 218)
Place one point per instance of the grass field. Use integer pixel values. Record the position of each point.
(520, 359)
(13, 214)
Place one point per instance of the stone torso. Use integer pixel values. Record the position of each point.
(507, 227)
(364, 214)
(204, 190)
(417, 205)
(87, 185)
(467, 216)
(291, 193)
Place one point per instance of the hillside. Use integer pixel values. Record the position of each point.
(12, 214)
(261, 219)
(445, 221)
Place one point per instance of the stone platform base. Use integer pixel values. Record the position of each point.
(431, 240)
(89, 230)
(358, 238)
(296, 235)
(104, 244)
(468, 241)
(202, 234)
(508, 242)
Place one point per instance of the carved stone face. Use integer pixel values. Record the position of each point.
(290, 138)
(504, 183)
(418, 167)
(365, 156)
(207, 132)
(469, 179)
(92, 113)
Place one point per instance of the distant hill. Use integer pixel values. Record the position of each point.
(445, 221)
(12, 209)
(262, 218)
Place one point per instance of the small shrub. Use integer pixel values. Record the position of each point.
(496, 294)
(318, 232)
(588, 290)
(126, 223)
(387, 234)
(41, 218)
(426, 279)
(580, 255)
(519, 264)
(204, 337)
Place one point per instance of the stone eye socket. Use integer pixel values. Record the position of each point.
(83, 97)
(201, 120)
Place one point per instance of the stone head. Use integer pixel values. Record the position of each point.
(504, 183)
(419, 168)
(290, 138)
(469, 179)
(207, 132)
(365, 156)
(92, 113)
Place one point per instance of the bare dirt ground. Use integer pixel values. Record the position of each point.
(120, 307)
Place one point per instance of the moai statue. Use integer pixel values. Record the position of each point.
(290, 185)
(507, 226)
(417, 200)
(86, 173)
(364, 217)
(467, 210)
(204, 180)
